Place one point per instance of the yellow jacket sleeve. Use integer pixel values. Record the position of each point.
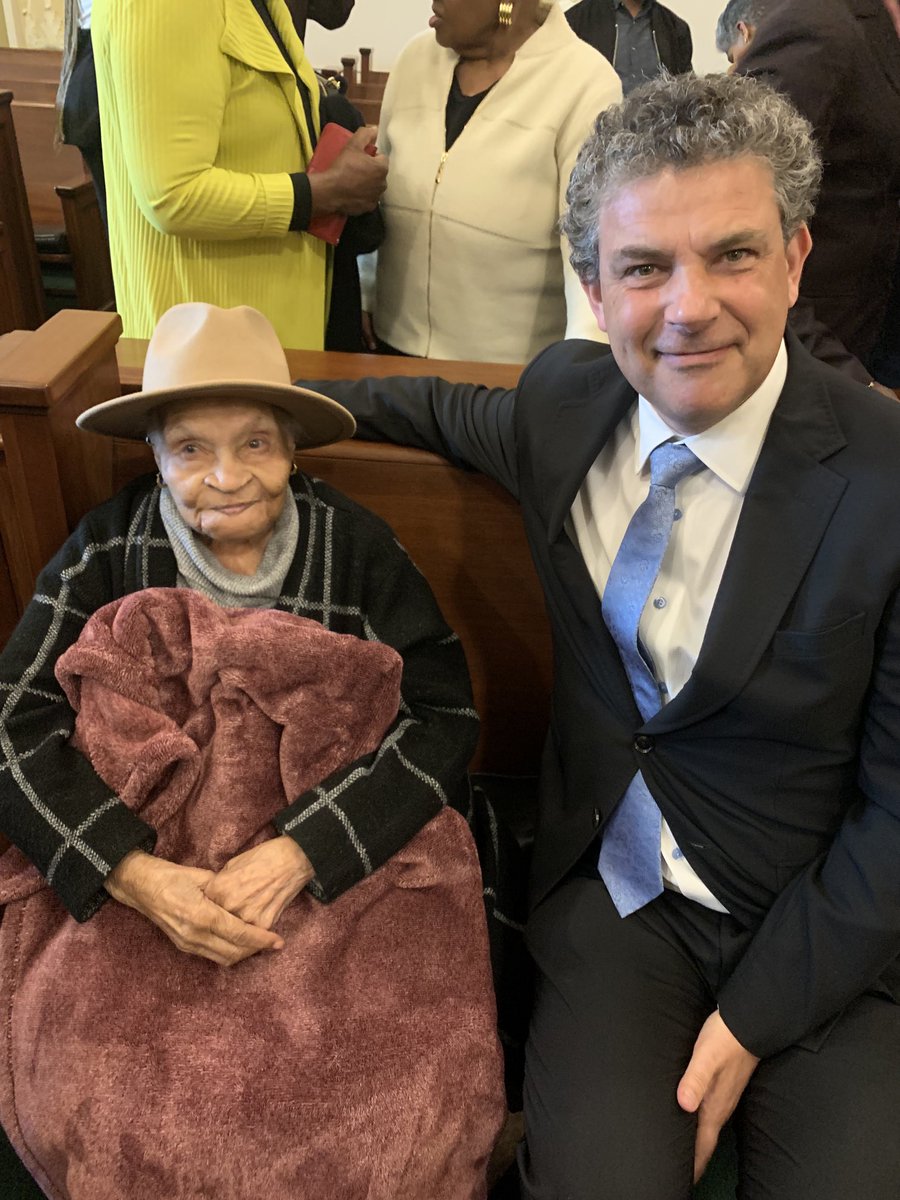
(171, 84)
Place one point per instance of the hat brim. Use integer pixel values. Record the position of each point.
(320, 420)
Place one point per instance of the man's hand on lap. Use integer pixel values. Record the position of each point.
(719, 1070)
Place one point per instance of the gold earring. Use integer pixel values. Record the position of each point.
(160, 482)
(294, 468)
(504, 13)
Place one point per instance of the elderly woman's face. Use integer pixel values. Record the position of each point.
(463, 25)
(226, 466)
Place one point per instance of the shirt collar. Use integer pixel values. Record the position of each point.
(645, 7)
(729, 448)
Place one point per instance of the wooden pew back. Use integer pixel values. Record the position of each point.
(45, 164)
(25, 287)
(463, 531)
(36, 66)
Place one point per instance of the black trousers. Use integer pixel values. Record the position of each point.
(81, 116)
(619, 1005)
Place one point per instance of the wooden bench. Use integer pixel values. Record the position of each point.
(15, 215)
(31, 75)
(47, 187)
(366, 94)
(366, 73)
(44, 164)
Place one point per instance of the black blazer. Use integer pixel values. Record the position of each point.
(778, 764)
(595, 23)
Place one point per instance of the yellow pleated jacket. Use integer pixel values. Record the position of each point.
(202, 123)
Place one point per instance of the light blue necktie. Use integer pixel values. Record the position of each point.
(629, 855)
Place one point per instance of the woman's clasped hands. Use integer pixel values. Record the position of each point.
(226, 915)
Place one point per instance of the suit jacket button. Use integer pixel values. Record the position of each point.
(596, 816)
(643, 743)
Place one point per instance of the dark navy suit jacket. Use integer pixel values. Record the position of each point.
(778, 764)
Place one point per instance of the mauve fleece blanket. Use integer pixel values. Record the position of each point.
(359, 1062)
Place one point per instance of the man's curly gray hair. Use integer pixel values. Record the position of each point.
(686, 121)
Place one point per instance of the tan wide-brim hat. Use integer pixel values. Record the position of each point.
(199, 352)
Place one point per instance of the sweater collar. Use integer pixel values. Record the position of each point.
(199, 568)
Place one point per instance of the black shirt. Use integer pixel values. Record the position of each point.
(459, 111)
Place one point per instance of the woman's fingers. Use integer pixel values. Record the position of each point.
(260, 883)
(173, 897)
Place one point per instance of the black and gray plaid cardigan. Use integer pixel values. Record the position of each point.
(350, 574)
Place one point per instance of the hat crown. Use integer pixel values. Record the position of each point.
(201, 344)
(199, 352)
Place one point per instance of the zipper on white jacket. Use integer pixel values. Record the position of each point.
(437, 180)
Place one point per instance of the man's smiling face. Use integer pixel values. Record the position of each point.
(695, 285)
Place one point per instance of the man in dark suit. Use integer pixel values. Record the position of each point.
(839, 63)
(639, 37)
(715, 883)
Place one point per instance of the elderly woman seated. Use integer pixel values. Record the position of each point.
(231, 698)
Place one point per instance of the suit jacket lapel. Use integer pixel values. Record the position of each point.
(789, 504)
(582, 426)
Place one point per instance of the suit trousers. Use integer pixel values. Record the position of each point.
(619, 1005)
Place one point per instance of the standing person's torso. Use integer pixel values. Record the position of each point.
(821, 54)
(471, 266)
(202, 123)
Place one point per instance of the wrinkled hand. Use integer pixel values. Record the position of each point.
(174, 898)
(719, 1070)
(259, 884)
(355, 181)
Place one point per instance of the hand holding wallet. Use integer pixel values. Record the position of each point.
(332, 140)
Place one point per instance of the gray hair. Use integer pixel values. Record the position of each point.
(748, 11)
(686, 121)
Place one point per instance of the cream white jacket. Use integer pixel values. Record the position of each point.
(472, 265)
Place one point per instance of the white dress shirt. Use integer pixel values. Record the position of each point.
(708, 505)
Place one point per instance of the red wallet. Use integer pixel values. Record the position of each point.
(332, 140)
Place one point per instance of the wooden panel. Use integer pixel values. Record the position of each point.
(16, 218)
(32, 519)
(18, 63)
(366, 74)
(11, 314)
(45, 165)
(88, 247)
(56, 472)
(369, 109)
(33, 91)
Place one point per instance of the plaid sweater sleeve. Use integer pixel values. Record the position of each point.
(53, 805)
(357, 818)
